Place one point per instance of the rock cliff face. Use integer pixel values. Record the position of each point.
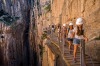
(18, 45)
(20, 40)
(69, 10)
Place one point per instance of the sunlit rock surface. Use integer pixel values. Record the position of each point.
(17, 46)
(69, 10)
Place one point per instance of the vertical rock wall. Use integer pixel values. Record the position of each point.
(69, 10)
(19, 46)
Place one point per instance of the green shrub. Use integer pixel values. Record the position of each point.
(44, 36)
(2, 12)
(6, 18)
(1, 31)
(41, 50)
(48, 8)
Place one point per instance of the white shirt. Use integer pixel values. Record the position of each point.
(70, 34)
(58, 30)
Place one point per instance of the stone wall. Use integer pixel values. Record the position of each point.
(19, 46)
(69, 10)
(64, 11)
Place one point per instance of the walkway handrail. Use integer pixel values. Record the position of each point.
(82, 53)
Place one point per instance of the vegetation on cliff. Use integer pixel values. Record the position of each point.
(6, 18)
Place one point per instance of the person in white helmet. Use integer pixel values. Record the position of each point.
(64, 30)
(64, 25)
(70, 36)
(78, 35)
(53, 28)
(59, 32)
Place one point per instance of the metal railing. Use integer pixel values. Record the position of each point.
(82, 49)
(82, 53)
(90, 55)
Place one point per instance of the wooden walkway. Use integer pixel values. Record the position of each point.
(69, 57)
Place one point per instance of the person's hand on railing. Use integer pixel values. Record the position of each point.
(86, 39)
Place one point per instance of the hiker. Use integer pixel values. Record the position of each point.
(64, 30)
(59, 32)
(53, 28)
(70, 36)
(78, 35)
(49, 29)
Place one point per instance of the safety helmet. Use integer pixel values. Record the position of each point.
(70, 23)
(79, 21)
(64, 24)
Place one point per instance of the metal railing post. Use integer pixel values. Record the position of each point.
(59, 38)
(82, 53)
(64, 38)
(63, 44)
